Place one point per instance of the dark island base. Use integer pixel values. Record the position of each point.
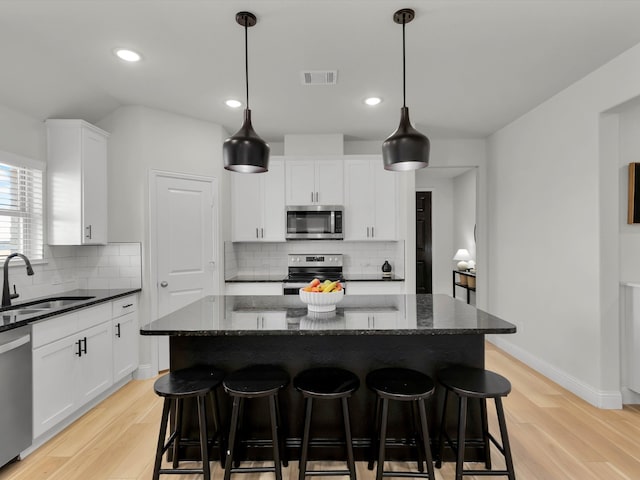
(360, 354)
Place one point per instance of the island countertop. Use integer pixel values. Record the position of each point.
(422, 314)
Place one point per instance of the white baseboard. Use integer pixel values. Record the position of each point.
(611, 400)
(144, 372)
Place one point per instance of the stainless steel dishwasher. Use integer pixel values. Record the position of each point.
(15, 392)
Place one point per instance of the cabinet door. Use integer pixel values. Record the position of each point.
(358, 199)
(300, 181)
(385, 201)
(246, 204)
(94, 187)
(55, 375)
(385, 320)
(357, 320)
(125, 345)
(245, 320)
(96, 364)
(273, 226)
(274, 320)
(329, 176)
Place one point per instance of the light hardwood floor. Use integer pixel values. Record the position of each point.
(554, 436)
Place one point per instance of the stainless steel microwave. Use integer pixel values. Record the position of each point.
(315, 222)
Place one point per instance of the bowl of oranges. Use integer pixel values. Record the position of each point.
(322, 296)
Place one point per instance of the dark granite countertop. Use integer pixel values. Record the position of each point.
(355, 315)
(10, 320)
(277, 278)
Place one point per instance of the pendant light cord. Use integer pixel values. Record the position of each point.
(246, 59)
(404, 76)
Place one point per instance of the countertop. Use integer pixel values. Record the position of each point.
(277, 278)
(10, 320)
(355, 315)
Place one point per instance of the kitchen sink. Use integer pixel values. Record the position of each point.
(42, 305)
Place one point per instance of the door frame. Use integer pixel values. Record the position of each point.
(154, 175)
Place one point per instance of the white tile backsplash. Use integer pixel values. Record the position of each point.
(271, 258)
(117, 265)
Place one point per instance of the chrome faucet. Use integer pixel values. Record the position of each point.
(7, 296)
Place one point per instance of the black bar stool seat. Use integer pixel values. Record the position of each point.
(256, 381)
(174, 387)
(326, 383)
(405, 385)
(476, 383)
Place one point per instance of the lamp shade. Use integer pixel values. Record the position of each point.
(406, 148)
(463, 256)
(245, 151)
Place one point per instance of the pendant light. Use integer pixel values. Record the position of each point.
(406, 148)
(245, 151)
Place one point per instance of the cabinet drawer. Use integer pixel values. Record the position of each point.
(53, 329)
(90, 317)
(122, 306)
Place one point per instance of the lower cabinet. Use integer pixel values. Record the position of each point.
(125, 337)
(379, 318)
(75, 359)
(276, 320)
(374, 288)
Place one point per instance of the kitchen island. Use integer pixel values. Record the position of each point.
(423, 332)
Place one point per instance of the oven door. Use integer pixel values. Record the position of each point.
(292, 288)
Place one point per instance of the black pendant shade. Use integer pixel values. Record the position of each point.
(406, 148)
(245, 151)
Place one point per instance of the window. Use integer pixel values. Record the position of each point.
(21, 222)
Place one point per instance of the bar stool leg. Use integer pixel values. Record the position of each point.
(204, 438)
(383, 438)
(443, 426)
(232, 437)
(505, 439)
(305, 438)
(347, 434)
(485, 433)
(425, 436)
(274, 435)
(178, 430)
(213, 398)
(374, 435)
(282, 434)
(462, 425)
(161, 437)
(417, 435)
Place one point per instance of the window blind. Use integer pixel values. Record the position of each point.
(21, 211)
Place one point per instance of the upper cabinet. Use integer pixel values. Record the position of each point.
(370, 200)
(314, 182)
(258, 205)
(76, 183)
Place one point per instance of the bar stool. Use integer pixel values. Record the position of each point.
(175, 387)
(256, 381)
(405, 385)
(326, 383)
(466, 383)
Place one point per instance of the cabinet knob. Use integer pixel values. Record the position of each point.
(164, 284)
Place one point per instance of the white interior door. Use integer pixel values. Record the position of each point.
(185, 250)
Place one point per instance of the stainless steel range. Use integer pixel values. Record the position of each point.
(304, 268)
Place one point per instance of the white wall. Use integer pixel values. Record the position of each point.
(143, 139)
(550, 190)
(464, 214)
(22, 134)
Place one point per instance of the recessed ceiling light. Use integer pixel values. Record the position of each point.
(233, 103)
(371, 101)
(127, 55)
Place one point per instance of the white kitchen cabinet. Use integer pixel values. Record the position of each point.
(314, 181)
(253, 288)
(76, 183)
(258, 205)
(77, 355)
(374, 288)
(125, 331)
(69, 370)
(370, 200)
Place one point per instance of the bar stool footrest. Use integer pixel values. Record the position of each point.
(405, 474)
(183, 471)
(252, 469)
(486, 473)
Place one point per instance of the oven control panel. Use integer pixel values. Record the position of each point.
(327, 260)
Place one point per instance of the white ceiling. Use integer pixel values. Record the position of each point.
(472, 66)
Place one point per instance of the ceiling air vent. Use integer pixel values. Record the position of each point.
(319, 77)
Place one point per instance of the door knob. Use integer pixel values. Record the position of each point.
(163, 284)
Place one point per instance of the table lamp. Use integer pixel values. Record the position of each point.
(462, 255)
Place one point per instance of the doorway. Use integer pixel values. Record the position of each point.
(424, 261)
(182, 227)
